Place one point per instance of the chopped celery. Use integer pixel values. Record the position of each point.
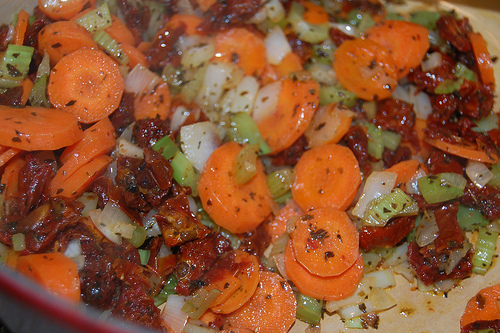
(486, 124)
(323, 53)
(484, 251)
(200, 302)
(166, 147)
(309, 309)
(38, 95)
(334, 94)
(96, 19)
(448, 86)
(463, 71)
(244, 130)
(144, 255)
(470, 218)
(375, 140)
(110, 46)
(363, 20)
(381, 209)
(391, 139)
(442, 187)
(184, 172)
(356, 322)
(18, 242)
(167, 290)
(14, 65)
(245, 164)
(138, 237)
(394, 16)
(308, 32)
(282, 199)
(425, 18)
(280, 181)
(193, 79)
(495, 169)
(174, 77)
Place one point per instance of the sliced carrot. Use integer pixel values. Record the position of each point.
(21, 27)
(37, 128)
(135, 57)
(120, 32)
(314, 13)
(297, 102)
(99, 139)
(248, 273)
(468, 151)
(483, 58)
(86, 83)
(54, 271)
(365, 68)
(205, 4)
(242, 47)
(27, 85)
(152, 104)
(329, 125)
(225, 282)
(8, 154)
(10, 176)
(64, 9)
(325, 241)
(328, 175)
(238, 208)
(332, 288)
(406, 170)
(289, 64)
(482, 307)
(277, 226)
(63, 37)
(189, 22)
(407, 42)
(74, 185)
(271, 309)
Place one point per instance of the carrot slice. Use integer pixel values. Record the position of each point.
(271, 309)
(152, 104)
(483, 58)
(297, 102)
(325, 241)
(27, 85)
(406, 170)
(190, 23)
(7, 154)
(365, 68)
(314, 13)
(243, 48)
(407, 42)
(331, 288)
(248, 273)
(329, 125)
(468, 151)
(482, 307)
(74, 185)
(87, 83)
(225, 282)
(54, 271)
(120, 32)
(238, 208)
(327, 175)
(21, 27)
(63, 37)
(135, 57)
(10, 176)
(37, 128)
(99, 139)
(64, 9)
(289, 64)
(277, 226)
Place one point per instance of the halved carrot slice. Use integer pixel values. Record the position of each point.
(482, 307)
(468, 151)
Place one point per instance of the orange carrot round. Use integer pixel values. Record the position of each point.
(277, 226)
(243, 48)
(332, 288)
(135, 56)
(329, 125)
(120, 32)
(407, 42)
(152, 104)
(313, 13)
(297, 102)
(325, 241)
(86, 83)
(327, 175)
(482, 307)
(406, 170)
(483, 58)
(289, 64)
(21, 27)
(238, 208)
(365, 68)
(36, 128)
(271, 309)
(64, 9)
(54, 271)
(63, 37)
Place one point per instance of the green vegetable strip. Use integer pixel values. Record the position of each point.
(425, 18)
(245, 164)
(184, 172)
(470, 218)
(200, 302)
(486, 124)
(391, 139)
(485, 249)
(495, 180)
(110, 46)
(38, 94)
(375, 140)
(138, 237)
(96, 20)
(168, 289)
(356, 322)
(245, 130)
(166, 147)
(144, 255)
(442, 187)
(380, 210)
(14, 65)
(309, 309)
(333, 94)
(280, 181)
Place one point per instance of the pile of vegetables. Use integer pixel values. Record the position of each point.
(206, 166)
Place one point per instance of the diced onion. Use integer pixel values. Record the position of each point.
(397, 256)
(377, 184)
(89, 200)
(325, 124)
(150, 224)
(198, 141)
(422, 105)
(323, 73)
(478, 173)
(128, 149)
(242, 97)
(141, 79)
(266, 101)
(172, 316)
(19, 242)
(179, 115)
(381, 300)
(275, 10)
(113, 222)
(197, 51)
(277, 46)
(427, 230)
(346, 28)
(382, 278)
(218, 77)
(455, 256)
(433, 60)
(74, 248)
(356, 310)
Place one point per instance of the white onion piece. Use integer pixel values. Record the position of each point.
(164, 251)
(325, 124)
(427, 230)
(150, 224)
(193, 328)
(128, 132)
(140, 79)
(323, 73)
(412, 184)
(345, 28)
(433, 60)
(382, 278)
(275, 10)
(455, 256)
(357, 310)
(404, 269)
(444, 285)
(478, 173)
(199, 53)
(113, 222)
(198, 141)
(397, 257)
(128, 149)
(94, 216)
(179, 115)
(89, 200)
(172, 316)
(279, 260)
(277, 46)
(218, 77)
(358, 297)
(401, 93)
(421, 103)
(377, 184)
(241, 98)
(380, 299)
(266, 100)
(74, 248)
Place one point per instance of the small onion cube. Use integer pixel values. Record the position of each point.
(198, 141)
(377, 184)
(277, 46)
(478, 173)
